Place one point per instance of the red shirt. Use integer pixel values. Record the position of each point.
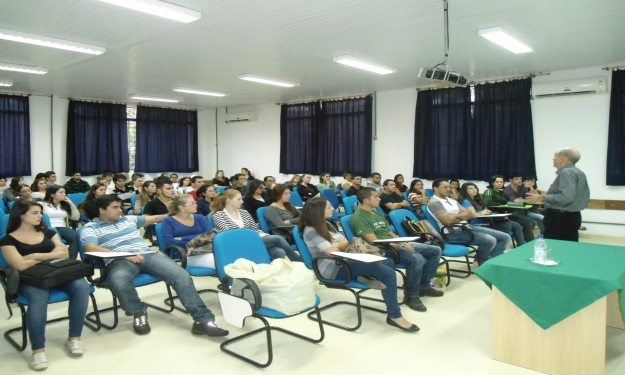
(193, 193)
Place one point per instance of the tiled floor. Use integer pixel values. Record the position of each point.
(454, 339)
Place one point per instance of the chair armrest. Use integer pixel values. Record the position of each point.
(435, 240)
(284, 231)
(249, 284)
(101, 266)
(463, 227)
(287, 227)
(339, 261)
(173, 250)
(391, 252)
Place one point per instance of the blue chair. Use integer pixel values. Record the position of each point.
(429, 193)
(5, 200)
(406, 196)
(179, 254)
(56, 295)
(348, 204)
(245, 243)
(11, 205)
(142, 279)
(77, 198)
(133, 200)
(344, 194)
(2, 213)
(220, 190)
(466, 204)
(283, 230)
(330, 195)
(211, 223)
(296, 199)
(347, 284)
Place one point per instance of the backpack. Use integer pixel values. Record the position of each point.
(425, 232)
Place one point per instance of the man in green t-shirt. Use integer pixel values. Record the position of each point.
(370, 225)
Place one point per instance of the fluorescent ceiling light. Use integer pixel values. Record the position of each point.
(23, 68)
(504, 38)
(269, 81)
(39, 40)
(159, 8)
(155, 99)
(365, 65)
(199, 92)
(6, 83)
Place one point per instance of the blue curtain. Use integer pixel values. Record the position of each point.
(298, 137)
(97, 138)
(14, 136)
(167, 140)
(442, 121)
(615, 169)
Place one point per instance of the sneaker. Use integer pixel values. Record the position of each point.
(211, 329)
(430, 292)
(75, 347)
(39, 361)
(140, 324)
(371, 283)
(415, 304)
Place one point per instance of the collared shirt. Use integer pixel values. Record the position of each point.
(438, 206)
(121, 235)
(515, 194)
(569, 191)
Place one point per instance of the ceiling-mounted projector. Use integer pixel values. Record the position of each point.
(444, 77)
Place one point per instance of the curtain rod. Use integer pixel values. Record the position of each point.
(332, 98)
(614, 67)
(23, 94)
(92, 100)
(181, 108)
(532, 75)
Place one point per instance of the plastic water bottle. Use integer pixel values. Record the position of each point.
(540, 250)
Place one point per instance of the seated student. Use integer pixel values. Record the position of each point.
(256, 198)
(160, 204)
(38, 189)
(447, 211)
(60, 209)
(228, 215)
(220, 180)
(121, 190)
(370, 225)
(375, 183)
(182, 225)
(12, 192)
(494, 196)
(471, 199)
(389, 200)
(418, 198)
(399, 185)
(248, 175)
(530, 183)
(326, 183)
(136, 183)
(87, 206)
(3, 184)
(196, 183)
(281, 211)
(50, 178)
(207, 194)
(270, 183)
(112, 231)
(454, 187)
(185, 185)
(356, 185)
(110, 185)
(173, 178)
(239, 183)
(28, 242)
(76, 184)
(293, 182)
(516, 192)
(347, 180)
(305, 189)
(100, 180)
(323, 239)
(24, 194)
(148, 193)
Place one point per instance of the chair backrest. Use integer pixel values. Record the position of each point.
(330, 195)
(428, 215)
(347, 229)
(304, 252)
(466, 204)
(77, 198)
(3, 263)
(233, 244)
(405, 195)
(211, 223)
(296, 199)
(348, 204)
(159, 237)
(262, 220)
(133, 199)
(220, 189)
(397, 216)
(344, 193)
(11, 205)
(429, 193)
(2, 213)
(381, 210)
(4, 221)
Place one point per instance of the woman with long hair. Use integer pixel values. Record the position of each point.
(347, 180)
(248, 175)
(28, 242)
(220, 179)
(185, 185)
(494, 196)
(281, 211)
(147, 194)
(471, 199)
(60, 209)
(38, 189)
(182, 225)
(305, 189)
(12, 193)
(325, 182)
(294, 181)
(399, 185)
(417, 197)
(207, 194)
(228, 215)
(256, 198)
(88, 205)
(323, 239)
(454, 187)
(24, 194)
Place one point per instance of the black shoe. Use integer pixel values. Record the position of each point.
(371, 283)
(412, 328)
(415, 304)
(140, 324)
(431, 292)
(211, 329)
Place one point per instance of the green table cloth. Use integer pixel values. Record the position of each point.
(548, 295)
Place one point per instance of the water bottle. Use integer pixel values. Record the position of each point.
(540, 250)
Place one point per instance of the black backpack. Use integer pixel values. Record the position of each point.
(53, 272)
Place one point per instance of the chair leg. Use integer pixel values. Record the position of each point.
(96, 313)
(358, 306)
(168, 301)
(171, 304)
(98, 324)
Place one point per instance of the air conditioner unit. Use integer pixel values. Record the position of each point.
(582, 86)
(239, 117)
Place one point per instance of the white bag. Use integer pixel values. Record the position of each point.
(285, 286)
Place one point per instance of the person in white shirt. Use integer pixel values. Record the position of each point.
(60, 209)
(38, 189)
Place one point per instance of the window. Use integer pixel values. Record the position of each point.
(131, 118)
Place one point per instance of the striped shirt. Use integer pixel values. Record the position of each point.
(224, 222)
(121, 235)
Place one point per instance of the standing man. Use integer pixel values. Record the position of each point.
(567, 196)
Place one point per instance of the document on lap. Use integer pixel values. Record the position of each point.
(398, 239)
(112, 254)
(367, 258)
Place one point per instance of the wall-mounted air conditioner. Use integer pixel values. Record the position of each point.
(240, 117)
(581, 86)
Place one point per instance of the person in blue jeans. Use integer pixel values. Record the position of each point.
(322, 239)
(28, 242)
(113, 232)
(446, 211)
(370, 225)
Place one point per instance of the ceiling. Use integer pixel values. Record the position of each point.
(296, 40)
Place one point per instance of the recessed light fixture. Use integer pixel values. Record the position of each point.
(504, 38)
(199, 92)
(23, 68)
(6, 83)
(269, 81)
(155, 99)
(159, 8)
(39, 40)
(362, 64)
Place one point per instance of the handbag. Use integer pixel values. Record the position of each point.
(54, 272)
(201, 244)
(359, 246)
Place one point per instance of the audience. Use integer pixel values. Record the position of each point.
(220, 180)
(60, 209)
(159, 205)
(375, 183)
(270, 182)
(399, 185)
(28, 242)
(516, 192)
(3, 184)
(207, 195)
(294, 181)
(454, 187)
(347, 180)
(12, 193)
(110, 185)
(174, 180)
(305, 189)
(281, 211)
(418, 198)
(137, 183)
(356, 185)
(248, 175)
(38, 188)
(389, 200)
(239, 183)
(148, 193)
(256, 198)
(50, 178)
(76, 184)
(196, 183)
(121, 190)
(24, 194)
(326, 183)
(88, 205)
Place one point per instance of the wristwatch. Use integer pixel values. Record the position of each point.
(402, 247)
